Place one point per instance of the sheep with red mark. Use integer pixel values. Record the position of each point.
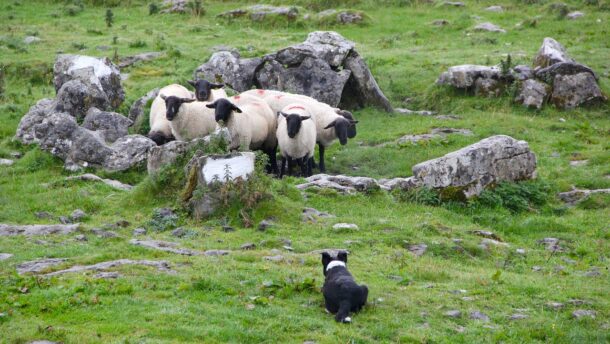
(296, 137)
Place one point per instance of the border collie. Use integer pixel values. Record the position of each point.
(341, 293)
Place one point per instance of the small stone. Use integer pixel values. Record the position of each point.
(122, 223)
(458, 291)
(453, 314)
(288, 248)
(575, 163)
(312, 215)
(43, 215)
(346, 226)
(576, 302)
(552, 244)
(559, 268)
(575, 15)
(228, 229)
(476, 315)
(440, 22)
(555, 155)
(467, 298)
(178, 232)
(352, 242)
(594, 272)
(108, 275)
(454, 3)
(460, 329)
(264, 225)
(276, 259)
(65, 220)
(489, 27)
(6, 162)
(250, 306)
(31, 40)
(248, 246)
(536, 268)
(520, 251)
(582, 313)
(104, 234)
(139, 231)
(518, 316)
(562, 120)
(78, 215)
(494, 8)
(568, 260)
(418, 250)
(80, 237)
(554, 305)
(5, 256)
(216, 252)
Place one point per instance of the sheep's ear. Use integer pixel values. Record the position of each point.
(236, 109)
(326, 258)
(163, 96)
(283, 114)
(342, 256)
(305, 117)
(330, 125)
(187, 100)
(191, 82)
(353, 121)
(211, 105)
(217, 85)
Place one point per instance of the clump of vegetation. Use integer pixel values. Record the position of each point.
(423, 195)
(163, 220)
(516, 197)
(137, 44)
(109, 18)
(196, 7)
(153, 8)
(79, 45)
(74, 8)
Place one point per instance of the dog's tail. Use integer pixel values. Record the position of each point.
(343, 313)
(365, 295)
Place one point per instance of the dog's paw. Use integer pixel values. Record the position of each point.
(347, 320)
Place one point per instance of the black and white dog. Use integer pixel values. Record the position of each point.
(341, 293)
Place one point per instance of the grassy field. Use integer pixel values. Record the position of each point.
(241, 297)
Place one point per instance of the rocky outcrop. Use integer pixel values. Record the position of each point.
(532, 94)
(333, 16)
(259, 13)
(110, 125)
(570, 91)
(136, 111)
(10, 230)
(161, 265)
(551, 52)
(37, 113)
(578, 195)
(110, 182)
(174, 6)
(489, 27)
(464, 76)
(326, 67)
(471, 169)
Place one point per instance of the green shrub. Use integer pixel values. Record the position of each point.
(516, 197)
(421, 195)
(153, 8)
(160, 222)
(137, 44)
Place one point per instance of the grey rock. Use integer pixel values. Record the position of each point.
(6, 162)
(43, 215)
(161, 265)
(110, 125)
(167, 154)
(259, 13)
(397, 183)
(39, 265)
(453, 314)
(593, 272)
(576, 302)
(584, 313)
(234, 71)
(362, 88)
(487, 234)
(136, 111)
(570, 91)
(312, 215)
(454, 3)
(518, 316)
(265, 224)
(248, 246)
(178, 232)
(489, 27)
(522, 72)
(554, 305)
(418, 249)
(276, 258)
(486, 243)
(487, 88)
(31, 40)
(494, 8)
(37, 113)
(520, 251)
(412, 112)
(108, 275)
(551, 244)
(568, 260)
(464, 76)
(78, 215)
(28, 230)
(174, 6)
(536, 268)
(346, 226)
(333, 16)
(139, 231)
(533, 94)
(346, 182)
(130, 60)
(549, 73)
(105, 74)
(551, 52)
(477, 315)
(80, 237)
(473, 168)
(110, 182)
(440, 22)
(103, 47)
(100, 233)
(5, 256)
(228, 229)
(575, 15)
(16, 155)
(216, 252)
(165, 246)
(559, 268)
(205, 206)
(65, 220)
(128, 151)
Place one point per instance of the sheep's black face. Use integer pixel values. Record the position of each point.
(293, 123)
(341, 130)
(172, 106)
(326, 259)
(351, 131)
(223, 109)
(203, 89)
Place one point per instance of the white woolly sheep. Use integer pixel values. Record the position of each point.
(251, 125)
(160, 130)
(188, 119)
(206, 91)
(296, 137)
(331, 123)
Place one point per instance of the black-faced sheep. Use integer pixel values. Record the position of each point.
(206, 91)
(296, 137)
(160, 130)
(188, 118)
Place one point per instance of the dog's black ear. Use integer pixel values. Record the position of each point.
(326, 258)
(342, 256)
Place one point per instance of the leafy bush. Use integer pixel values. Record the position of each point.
(161, 221)
(153, 8)
(137, 44)
(421, 195)
(516, 197)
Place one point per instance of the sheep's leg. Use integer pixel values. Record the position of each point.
(273, 159)
(310, 163)
(322, 165)
(290, 166)
(283, 168)
(302, 162)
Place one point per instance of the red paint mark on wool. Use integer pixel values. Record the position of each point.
(296, 107)
(279, 96)
(260, 91)
(237, 97)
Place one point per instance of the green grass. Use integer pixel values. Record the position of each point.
(208, 299)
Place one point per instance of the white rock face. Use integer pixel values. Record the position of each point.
(495, 8)
(240, 165)
(489, 27)
(551, 52)
(464, 76)
(533, 94)
(472, 168)
(575, 15)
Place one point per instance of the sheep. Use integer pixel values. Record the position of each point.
(206, 91)
(160, 130)
(296, 137)
(340, 122)
(188, 118)
(251, 125)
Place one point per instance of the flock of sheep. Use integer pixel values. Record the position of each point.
(256, 120)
